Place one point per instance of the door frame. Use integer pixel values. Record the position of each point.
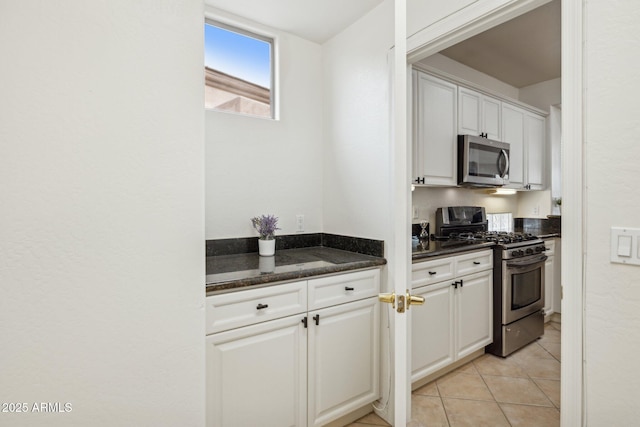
(573, 169)
(400, 245)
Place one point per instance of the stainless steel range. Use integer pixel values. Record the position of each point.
(518, 275)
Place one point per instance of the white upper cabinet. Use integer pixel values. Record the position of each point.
(435, 130)
(443, 110)
(479, 114)
(513, 133)
(534, 136)
(525, 133)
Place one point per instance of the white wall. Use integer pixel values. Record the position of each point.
(612, 291)
(542, 95)
(101, 247)
(356, 128)
(257, 166)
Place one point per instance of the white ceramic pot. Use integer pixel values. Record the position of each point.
(266, 247)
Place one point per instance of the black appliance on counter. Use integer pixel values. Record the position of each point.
(518, 275)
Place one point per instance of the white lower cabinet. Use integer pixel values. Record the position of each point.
(432, 331)
(306, 369)
(457, 315)
(552, 277)
(474, 313)
(343, 359)
(257, 375)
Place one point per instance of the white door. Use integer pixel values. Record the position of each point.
(241, 392)
(491, 117)
(432, 332)
(435, 117)
(469, 107)
(343, 359)
(474, 312)
(534, 134)
(513, 133)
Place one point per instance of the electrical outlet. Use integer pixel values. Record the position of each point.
(536, 210)
(299, 223)
(415, 212)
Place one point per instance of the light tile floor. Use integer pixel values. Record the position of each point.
(521, 390)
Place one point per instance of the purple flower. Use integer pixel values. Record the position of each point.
(266, 225)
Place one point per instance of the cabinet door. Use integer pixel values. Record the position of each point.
(491, 118)
(513, 134)
(557, 278)
(343, 366)
(257, 375)
(474, 313)
(432, 332)
(548, 285)
(435, 120)
(534, 134)
(469, 108)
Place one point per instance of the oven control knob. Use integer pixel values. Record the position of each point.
(529, 251)
(539, 249)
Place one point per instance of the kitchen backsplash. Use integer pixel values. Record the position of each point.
(539, 226)
(243, 245)
(428, 199)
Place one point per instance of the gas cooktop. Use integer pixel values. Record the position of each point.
(491, 236)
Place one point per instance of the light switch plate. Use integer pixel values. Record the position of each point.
(625, 245)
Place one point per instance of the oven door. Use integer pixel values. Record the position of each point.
(522, 287)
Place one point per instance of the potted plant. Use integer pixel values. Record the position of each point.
(266, 226)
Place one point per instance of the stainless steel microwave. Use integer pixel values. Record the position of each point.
(482, 162)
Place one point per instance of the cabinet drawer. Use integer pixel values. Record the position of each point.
(343, 288)
(433, 271)
(550, 247)
(236, 309)
(474, 262)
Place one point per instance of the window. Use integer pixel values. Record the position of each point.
(500, 222)
(238, 70)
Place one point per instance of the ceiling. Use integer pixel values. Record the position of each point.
(313, 20)
(520, 52)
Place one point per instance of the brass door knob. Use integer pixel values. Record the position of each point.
(388, 298)
(413, 300)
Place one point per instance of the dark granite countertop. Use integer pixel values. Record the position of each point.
(425, 250)
(231, 272)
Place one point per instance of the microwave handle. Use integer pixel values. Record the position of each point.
(506, 159)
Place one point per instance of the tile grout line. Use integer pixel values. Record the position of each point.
(536, 384)
(492, 395)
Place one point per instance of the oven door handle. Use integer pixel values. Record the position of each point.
(527, 263)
